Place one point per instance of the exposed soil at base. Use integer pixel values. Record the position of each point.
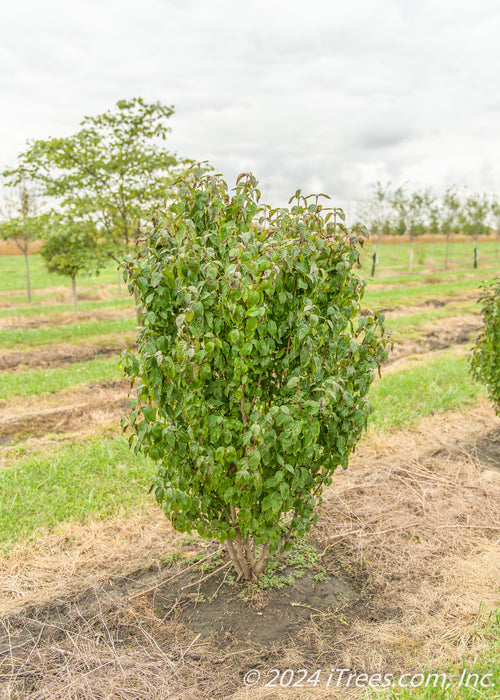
(408, 557)
(251, 615)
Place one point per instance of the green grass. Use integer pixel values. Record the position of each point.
(399, 326)
(40, 381)
(13, 275)
(406, 295)
(394, 257)
(453, 684)
(36, 308)
(101, 478)
(22, 338)
(441, 384)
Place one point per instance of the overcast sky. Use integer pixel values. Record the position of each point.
(325, 95)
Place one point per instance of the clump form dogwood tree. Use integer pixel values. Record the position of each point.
(253, 364)
(485, 355)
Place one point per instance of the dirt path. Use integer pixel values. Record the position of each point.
(65, 318)
(62, 293)
(65, 353)
(439, 335)
(73, 412)
(408, 538)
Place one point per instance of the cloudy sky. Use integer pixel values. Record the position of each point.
(325, 95)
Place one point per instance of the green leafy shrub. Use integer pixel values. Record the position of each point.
(485, 355)
(252, 375)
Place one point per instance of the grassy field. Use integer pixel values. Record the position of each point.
(66, 468)
(430, 258)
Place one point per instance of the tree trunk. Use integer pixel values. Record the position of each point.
(248, 563)
(447, 251)
(375, 257)
(410, 262)
(28, 284)
(73, 293)
(476, 254)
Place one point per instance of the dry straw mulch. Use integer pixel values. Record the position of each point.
(413, 525)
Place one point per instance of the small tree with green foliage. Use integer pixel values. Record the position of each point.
(253, 364)
(413, 213)
(485, 355)
(22, 222)
(109, 173)
(71, 249)
(450, 219)
(378, 217)
(495, 211)
(474, 219)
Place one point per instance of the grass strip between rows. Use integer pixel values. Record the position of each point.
(100, 478)
(404, 325)
(22, 338)
(39, 381)
(13, 275)
(405, 295)
(402, 398)
(37, 309)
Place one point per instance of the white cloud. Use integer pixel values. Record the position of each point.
(322, 95)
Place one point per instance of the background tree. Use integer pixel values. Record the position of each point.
(253, 365)
(412, 211)
(450, 219)
(71, 249)
(495, 211)
(109, 173)
(22, 222)
(474, 219)
(378, 217)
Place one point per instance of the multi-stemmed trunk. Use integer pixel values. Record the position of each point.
(248, 559)
(249, 562)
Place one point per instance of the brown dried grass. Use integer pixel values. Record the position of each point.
(66, 317)
(414, 524)
(60, 354)
(77, 413)
(77, 556)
